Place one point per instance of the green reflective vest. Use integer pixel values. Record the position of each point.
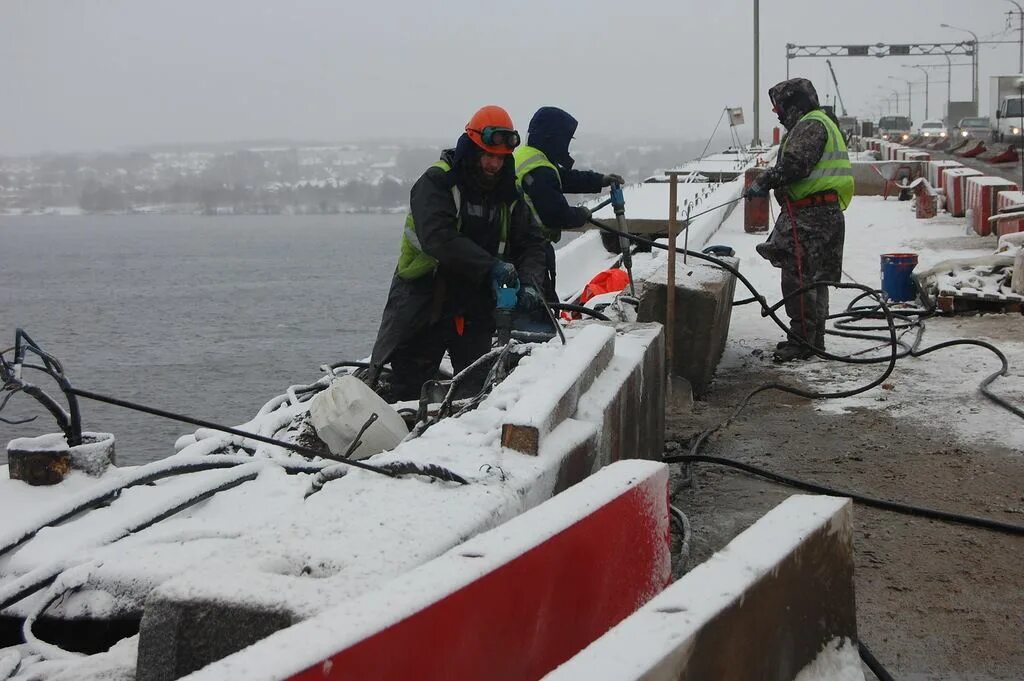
(833, 171)
(413, 263)
(528, 159)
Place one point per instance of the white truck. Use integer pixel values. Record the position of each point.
(1006, 108)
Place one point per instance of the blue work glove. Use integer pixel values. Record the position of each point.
(530, 299)
(503, 274)
(756, 191)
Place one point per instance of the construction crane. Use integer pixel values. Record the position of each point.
(836, 82)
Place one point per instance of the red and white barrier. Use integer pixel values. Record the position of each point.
(512, 603)
(981, 192)
(936, 168)
(954, 185)
(1009, 201)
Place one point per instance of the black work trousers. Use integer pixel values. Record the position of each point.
(416, 360)
(550, 294)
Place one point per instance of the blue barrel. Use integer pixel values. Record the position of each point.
(897, 280)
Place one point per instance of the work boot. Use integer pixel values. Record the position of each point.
(790, 351)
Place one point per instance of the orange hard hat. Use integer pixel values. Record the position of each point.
(492, 130)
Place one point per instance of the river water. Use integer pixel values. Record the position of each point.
(207, 316)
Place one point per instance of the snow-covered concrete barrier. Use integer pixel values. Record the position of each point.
(273, 569)
(703, 309)
(782, 592)
(512, 603)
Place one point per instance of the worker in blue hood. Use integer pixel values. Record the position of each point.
(544, 174)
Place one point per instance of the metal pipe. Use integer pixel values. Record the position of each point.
(670, 292)
(974, 75)
(1020, 16)
(757, 73)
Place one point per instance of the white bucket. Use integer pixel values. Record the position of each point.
(340, 411)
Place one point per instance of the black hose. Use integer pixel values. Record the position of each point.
(881, 504)
(873, 664)
(582, 309)
(186, 466)
(881, 311)
(40, 581)
(305, 451)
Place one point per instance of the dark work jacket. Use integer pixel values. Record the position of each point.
(548, 196)
(461, 283)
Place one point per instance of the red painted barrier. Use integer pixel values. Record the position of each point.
(981, 192)
(937, 172)
(972, 149)
(477, 613)
(1006, 202)
(954, 177)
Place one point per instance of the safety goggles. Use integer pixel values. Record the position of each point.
(494, 136)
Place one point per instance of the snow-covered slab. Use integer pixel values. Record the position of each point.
(511, 603)
(555, 398)
(782, 590)
(299, 557)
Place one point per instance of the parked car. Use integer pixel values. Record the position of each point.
(975, 127)
(932, 129)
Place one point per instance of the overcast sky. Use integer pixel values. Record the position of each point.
(106, 74)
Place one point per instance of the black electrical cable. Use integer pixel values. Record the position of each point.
(142, 476)
(305, 451)
(37, 582)
(882, 310)
(881, 504)
(582, 309)
(873, 664)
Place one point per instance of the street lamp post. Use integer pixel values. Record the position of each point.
(910, 101)
(1020, 16)
(757, 74)
(949, 89)
(974, 75)
(925, 72)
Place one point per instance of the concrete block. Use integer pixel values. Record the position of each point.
(178, 637)
(201, 616)
(762, 608)
(530, 420)
(512, 603)
(703, 309)
(956, 202)
(628, 400)
(980, 192)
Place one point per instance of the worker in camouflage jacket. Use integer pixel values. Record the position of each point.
(813, 183)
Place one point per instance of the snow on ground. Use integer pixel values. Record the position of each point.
(941, 389)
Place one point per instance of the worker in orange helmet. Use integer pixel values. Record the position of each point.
(467, 232)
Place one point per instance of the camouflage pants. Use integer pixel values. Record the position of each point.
(819, 235)
(808, 313)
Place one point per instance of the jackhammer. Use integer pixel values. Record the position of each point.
(506, 299)
(619, 206)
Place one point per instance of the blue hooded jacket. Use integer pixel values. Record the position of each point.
(551, 130)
